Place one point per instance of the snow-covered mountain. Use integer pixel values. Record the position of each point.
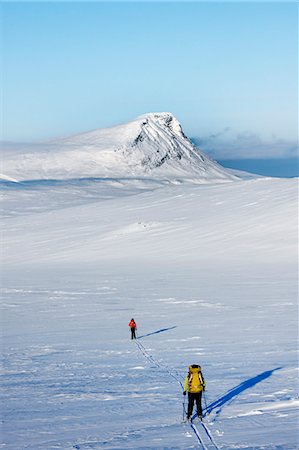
(153, 145)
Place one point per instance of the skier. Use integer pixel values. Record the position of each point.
(133, 327)
(195, 384)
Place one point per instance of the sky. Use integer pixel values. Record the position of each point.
(227, 71)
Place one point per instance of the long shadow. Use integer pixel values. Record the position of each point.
(156, 332)
(229, 395)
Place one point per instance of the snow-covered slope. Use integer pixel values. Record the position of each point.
(209, 273)
(191, 222)
(153, 145)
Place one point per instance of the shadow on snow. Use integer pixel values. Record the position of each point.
(229, 395)
(156, 332)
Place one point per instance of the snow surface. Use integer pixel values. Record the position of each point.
(208, 271)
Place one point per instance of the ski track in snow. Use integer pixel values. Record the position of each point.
(209, 274)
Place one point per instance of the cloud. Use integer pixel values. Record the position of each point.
(227, 144)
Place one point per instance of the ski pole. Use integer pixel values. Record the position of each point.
(205, 400)
(184, 409)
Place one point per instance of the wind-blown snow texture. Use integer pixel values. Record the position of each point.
(208, 271)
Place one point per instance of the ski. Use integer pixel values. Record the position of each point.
(209, 434)
(198, 436)
(206, 429)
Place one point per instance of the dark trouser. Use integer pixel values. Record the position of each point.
(133, 335)
(194, 398)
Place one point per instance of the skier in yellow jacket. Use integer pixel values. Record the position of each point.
(195, 385)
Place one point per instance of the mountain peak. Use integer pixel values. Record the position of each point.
(157, 115)
(164, 119)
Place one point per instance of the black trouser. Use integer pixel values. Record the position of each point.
(133, 335)
(194, 398)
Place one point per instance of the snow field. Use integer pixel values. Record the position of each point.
(245, 219)
(208, 272)
(91, 384)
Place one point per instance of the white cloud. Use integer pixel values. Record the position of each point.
(227, 144)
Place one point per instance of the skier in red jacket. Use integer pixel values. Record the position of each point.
(133, 327)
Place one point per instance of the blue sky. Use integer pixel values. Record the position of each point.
(227, 71)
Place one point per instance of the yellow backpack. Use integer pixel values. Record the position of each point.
(195, 380)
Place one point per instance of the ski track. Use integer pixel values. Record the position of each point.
(71, 378)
